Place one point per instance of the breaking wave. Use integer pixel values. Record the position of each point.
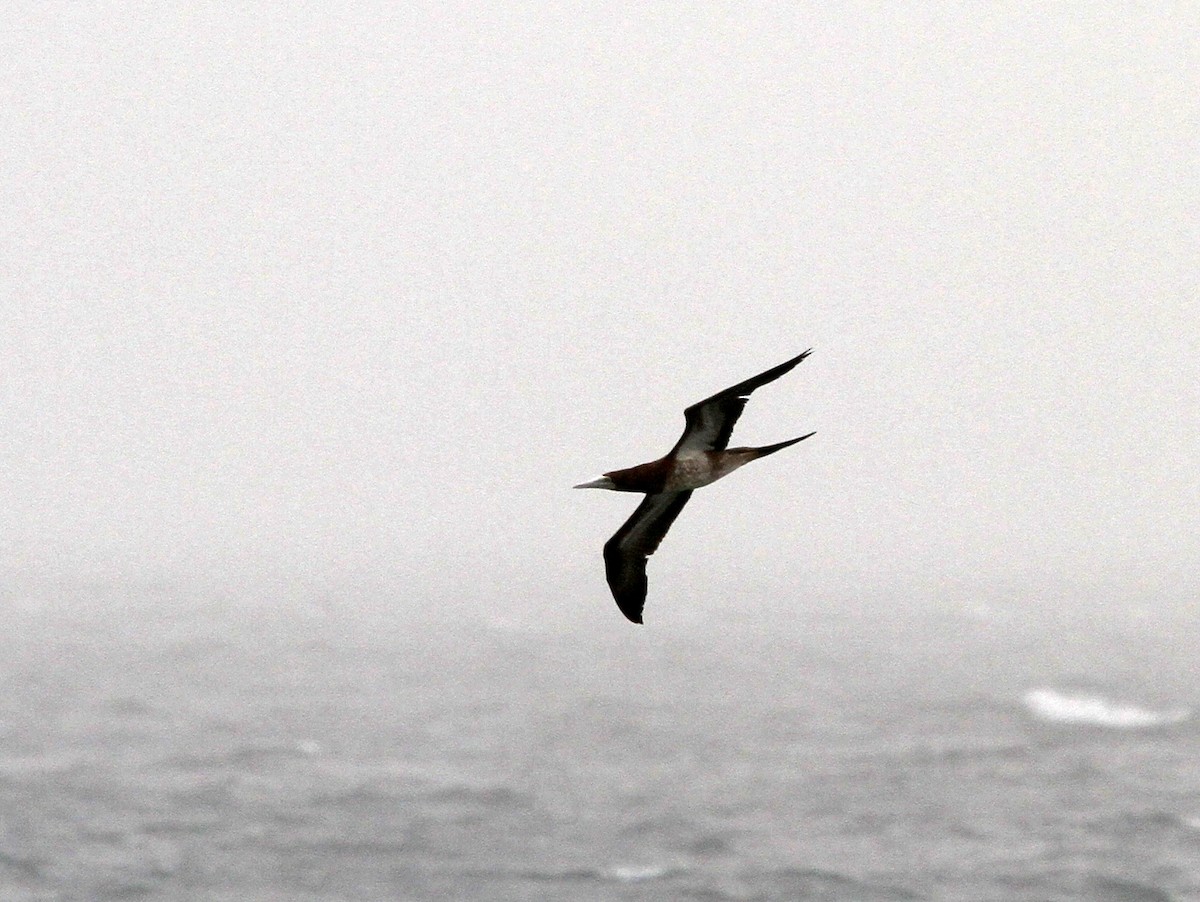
(615, 874)
(1094, 709)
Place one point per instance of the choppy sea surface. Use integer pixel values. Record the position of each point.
(169, 750)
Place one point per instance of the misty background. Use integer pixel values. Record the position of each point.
(347, 298)
(312, 314)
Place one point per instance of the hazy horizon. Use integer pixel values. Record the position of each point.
(352, 298)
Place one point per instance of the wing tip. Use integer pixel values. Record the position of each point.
(775, 372)
(796, 360)
(631, 608)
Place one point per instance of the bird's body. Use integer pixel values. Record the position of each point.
(699, 458)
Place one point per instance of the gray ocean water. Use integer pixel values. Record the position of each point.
(163, 748)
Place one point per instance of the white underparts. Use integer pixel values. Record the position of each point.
(691, 471)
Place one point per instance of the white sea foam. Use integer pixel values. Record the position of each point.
(636, 874)
(308, 747)
(1093, 709)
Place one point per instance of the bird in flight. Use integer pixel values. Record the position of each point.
(698, 458)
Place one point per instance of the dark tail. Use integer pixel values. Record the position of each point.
(771, 449)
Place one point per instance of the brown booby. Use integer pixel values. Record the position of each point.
(698, 458)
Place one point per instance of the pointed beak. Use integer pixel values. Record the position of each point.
(601, 483)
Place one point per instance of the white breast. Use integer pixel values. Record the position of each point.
(692, 471)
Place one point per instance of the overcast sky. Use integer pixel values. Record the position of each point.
(356, 292)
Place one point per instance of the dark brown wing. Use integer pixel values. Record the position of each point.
(710, 422)
(626, 552)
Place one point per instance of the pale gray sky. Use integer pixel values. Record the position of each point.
(357, 292)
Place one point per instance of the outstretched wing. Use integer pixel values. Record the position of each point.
(710, 422)
(626, 552)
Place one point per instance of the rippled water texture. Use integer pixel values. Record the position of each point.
(237, 758)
